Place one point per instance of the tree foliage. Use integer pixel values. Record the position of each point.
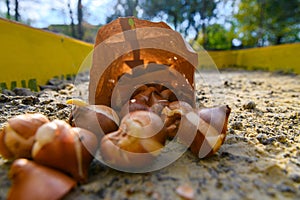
(124, 8)
(217, 37)
(184, 15)
(263, 22)
(255, 23)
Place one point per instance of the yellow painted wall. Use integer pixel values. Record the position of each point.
(29, 55)
(284, 58)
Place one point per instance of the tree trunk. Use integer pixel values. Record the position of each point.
(73, 32)
(135, 5)
(278, 39)
(132, 4)
(175, 22)
(17, 15)
(205, 39)
(203, 17)
(79, 17)
(261, 26)
(8, 9)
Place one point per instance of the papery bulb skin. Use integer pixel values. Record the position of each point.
(172, 115)
(132, 106)
(99, 119)
(68, 149)
(211, 131)
(17, 137)
(33, 181)
(139, 139)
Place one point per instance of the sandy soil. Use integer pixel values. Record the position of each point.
(259, 160)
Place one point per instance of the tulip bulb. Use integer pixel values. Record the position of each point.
(156, 98)
(17, 137)
(172, 114)
(135, 144)
(211, 131)
(68, 149)
(33, 181)
(132, 106)
(144, 96)
(204, 129)
(168, 95)
(99, 119)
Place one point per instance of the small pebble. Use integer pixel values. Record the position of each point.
(15, 102)
(30, 100)
(8, 92)
(230, 131)
(48, 87)
(295, 178)
(22, 106)
(23, 92)
(286, 188)
(61, 106)
(237, 125)
(249, 105)
(226, 84)
(262, 138)
(281, 138)
(4, 98)
(55, 81)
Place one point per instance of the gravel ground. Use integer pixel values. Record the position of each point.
(259, 160)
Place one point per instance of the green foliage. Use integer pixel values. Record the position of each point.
(217, 37)
(184, 15)
(89, 35)
(256, 23)
(124, 8)
(158, 8)
(263, 22)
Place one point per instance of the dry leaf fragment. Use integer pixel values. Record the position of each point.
(185, 191)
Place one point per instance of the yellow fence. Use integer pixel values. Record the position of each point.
(285, 58)
(29, 57)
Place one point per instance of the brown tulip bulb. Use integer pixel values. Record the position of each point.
(168, 95)
(68, 149)
(17, 137)
(155, 98)
(4, 151)
(211, 133)
(172, 114)
(132, 106)
(140, 90)
(33, 181)
(144, 96)
(158, 107)
(157, 103)
(99, 119)
(158, 87)
(135, 144)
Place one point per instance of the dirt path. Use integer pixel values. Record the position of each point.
(259, 160)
